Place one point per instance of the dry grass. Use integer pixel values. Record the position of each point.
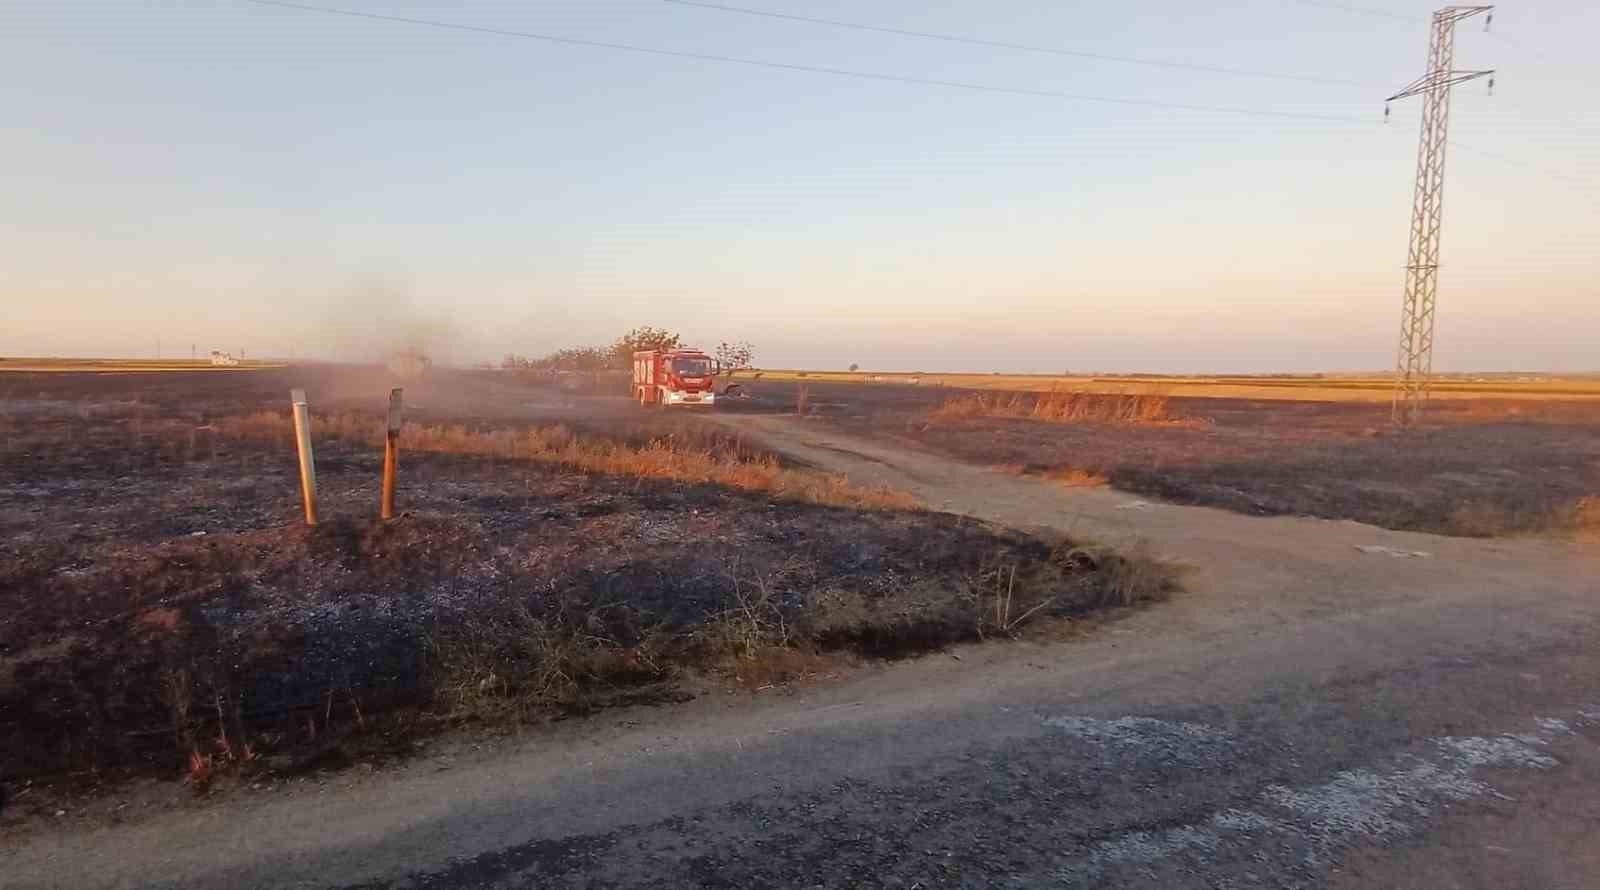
(513, 664)
(1075, 478)
(1007, 595)
(753, 619)
(1068, 477)
(572, 657)
(669, 458)
(1057, 407)
(1586, 516)
(1133, 577)
(771, 627)
(1478, 519)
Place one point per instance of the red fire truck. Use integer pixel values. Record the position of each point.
(674, 377)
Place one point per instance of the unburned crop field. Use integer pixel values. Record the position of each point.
(167, 612)
(1477, 467)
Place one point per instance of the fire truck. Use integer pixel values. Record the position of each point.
(674, 377)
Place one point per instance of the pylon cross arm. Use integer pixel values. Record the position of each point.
(1452, 14)
(1438, 80)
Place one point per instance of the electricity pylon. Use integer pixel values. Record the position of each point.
(1415, 365)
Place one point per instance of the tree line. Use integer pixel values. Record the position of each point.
(619, 355)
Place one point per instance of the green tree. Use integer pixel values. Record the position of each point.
(640, 339)
(587, 359)
(735, 356)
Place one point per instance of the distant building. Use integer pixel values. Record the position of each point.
(223, 358)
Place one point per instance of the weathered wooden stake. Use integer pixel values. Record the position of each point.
(308, 467)
(391, 450)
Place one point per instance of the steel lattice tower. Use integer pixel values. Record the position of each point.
(1415, 365)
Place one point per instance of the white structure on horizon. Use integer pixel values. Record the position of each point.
(223, 358)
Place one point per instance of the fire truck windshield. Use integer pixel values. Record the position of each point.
(691, 367)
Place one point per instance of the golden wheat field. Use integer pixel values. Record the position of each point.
(1310, 388)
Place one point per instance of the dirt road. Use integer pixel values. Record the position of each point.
(1310, 715)
(1235, 561)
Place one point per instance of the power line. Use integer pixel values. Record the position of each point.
(1508, 41)
(1000, 44)
(1363, 10)
(818, 69)
(1539, 61)
(1554, 175)
(896, 78)
(1557, 70)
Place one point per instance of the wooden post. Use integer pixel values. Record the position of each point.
(391, 451)
(308, 467)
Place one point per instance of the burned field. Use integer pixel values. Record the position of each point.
(1477, 467)
(167, 612)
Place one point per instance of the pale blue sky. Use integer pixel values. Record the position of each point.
(239, 176)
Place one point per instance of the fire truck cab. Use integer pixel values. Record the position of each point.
(674, 377)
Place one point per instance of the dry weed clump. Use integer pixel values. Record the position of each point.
(1077, 478)
(1479, 519)
(661, 458)
(1072, 579)
(1058, 407)
(515, 662)
(1067, 477)
(1587, 512)
(571, 655)
(1134, 577)
(753, 619)
(1585, 521)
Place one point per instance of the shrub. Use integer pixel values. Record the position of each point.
(668, 458)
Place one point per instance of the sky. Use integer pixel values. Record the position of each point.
(227, 175)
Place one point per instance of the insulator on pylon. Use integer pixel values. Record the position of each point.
(1488, 20)
(1386, 112)
(1491, 85)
